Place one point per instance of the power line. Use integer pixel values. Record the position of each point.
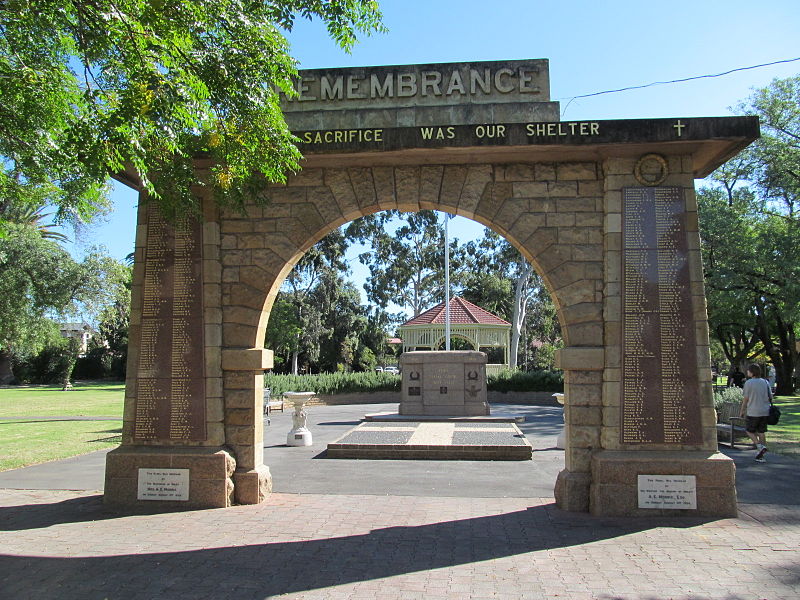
(654, 83)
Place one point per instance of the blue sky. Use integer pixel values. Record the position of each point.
(592, 46)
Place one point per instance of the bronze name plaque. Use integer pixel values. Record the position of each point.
(170, 397)
(660, 387)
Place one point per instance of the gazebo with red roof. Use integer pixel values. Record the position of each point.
(469, 322)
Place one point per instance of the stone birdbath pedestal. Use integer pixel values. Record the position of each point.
(299, 435)
(561, 439)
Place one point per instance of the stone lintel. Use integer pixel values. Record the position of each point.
(614, 487)
(580, 359)
(247, 359)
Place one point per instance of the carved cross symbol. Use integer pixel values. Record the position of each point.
(679, 127)
(473, 391)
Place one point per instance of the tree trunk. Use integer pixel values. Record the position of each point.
(783, 354)
(295, 356)
(6, 372)
(520, 308)
(737, 346)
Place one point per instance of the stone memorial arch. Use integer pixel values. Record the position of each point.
(604, 210)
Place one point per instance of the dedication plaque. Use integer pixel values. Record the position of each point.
(667, 491)
(163, 484)
(170, 397)
(660, 388)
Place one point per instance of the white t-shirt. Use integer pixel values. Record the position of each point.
(758, 393)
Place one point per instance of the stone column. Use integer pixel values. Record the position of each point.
(658, 416)
(244, 423)
(173, 415)
(583, 369)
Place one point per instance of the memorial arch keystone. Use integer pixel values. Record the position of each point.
(604, 210)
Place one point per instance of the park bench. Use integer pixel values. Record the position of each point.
(729, 424)
(272, 403)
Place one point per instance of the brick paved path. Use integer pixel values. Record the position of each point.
(64, 545)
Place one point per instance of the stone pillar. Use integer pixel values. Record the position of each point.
(582, 422)
(657, 408)
(173, 415)
(244, 423)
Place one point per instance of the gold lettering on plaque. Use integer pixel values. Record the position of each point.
(660, 386)
(170, 375)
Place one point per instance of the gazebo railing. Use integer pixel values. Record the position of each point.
(495, 369)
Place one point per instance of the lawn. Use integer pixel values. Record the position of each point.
(26, 440)
(784, 438)
(85, 400)
(29, 442)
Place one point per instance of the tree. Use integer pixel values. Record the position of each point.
(31, 216)
(92, 87)
(301, 305)
(751, 239)
(284, 331)
(496, 256)
(774, 160)
(343, 319)
(730, 312)
(407, 266)
(37, 279)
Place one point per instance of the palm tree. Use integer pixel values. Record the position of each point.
(34, 217)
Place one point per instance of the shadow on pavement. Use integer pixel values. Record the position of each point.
(270, 569)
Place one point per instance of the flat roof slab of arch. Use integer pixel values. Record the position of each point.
(710, 140)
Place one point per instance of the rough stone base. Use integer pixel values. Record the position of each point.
(433, 440)
(210, 470)
(572, 491)
(388, 417)
(467, 409)
(252, 487)
(614, 487)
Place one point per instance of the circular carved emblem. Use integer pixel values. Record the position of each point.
(651, 169)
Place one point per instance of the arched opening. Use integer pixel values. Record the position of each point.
(555, 223)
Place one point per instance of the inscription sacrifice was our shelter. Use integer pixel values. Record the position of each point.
(660, 384)
(170, 396)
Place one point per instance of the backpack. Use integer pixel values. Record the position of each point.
(774, 412)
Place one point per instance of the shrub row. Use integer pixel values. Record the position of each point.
(731, 394)
(350, 383)
(332, 383)
(526, 381)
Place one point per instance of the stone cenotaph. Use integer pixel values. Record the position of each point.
(446, 383)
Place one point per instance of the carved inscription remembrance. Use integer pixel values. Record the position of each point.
(170, 397)
(659, 375)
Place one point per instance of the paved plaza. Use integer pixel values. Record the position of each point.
(393, 530)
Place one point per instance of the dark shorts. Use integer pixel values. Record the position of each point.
(756, 424)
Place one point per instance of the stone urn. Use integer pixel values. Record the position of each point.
(299, 434)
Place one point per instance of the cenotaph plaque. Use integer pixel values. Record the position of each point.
(170, 398)
(660, 387)
(444, 383)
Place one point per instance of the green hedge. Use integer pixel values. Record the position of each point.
(731, 394)
(526, 381)
(332, 383)
(351, 383)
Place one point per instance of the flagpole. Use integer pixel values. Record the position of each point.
(446, 284)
